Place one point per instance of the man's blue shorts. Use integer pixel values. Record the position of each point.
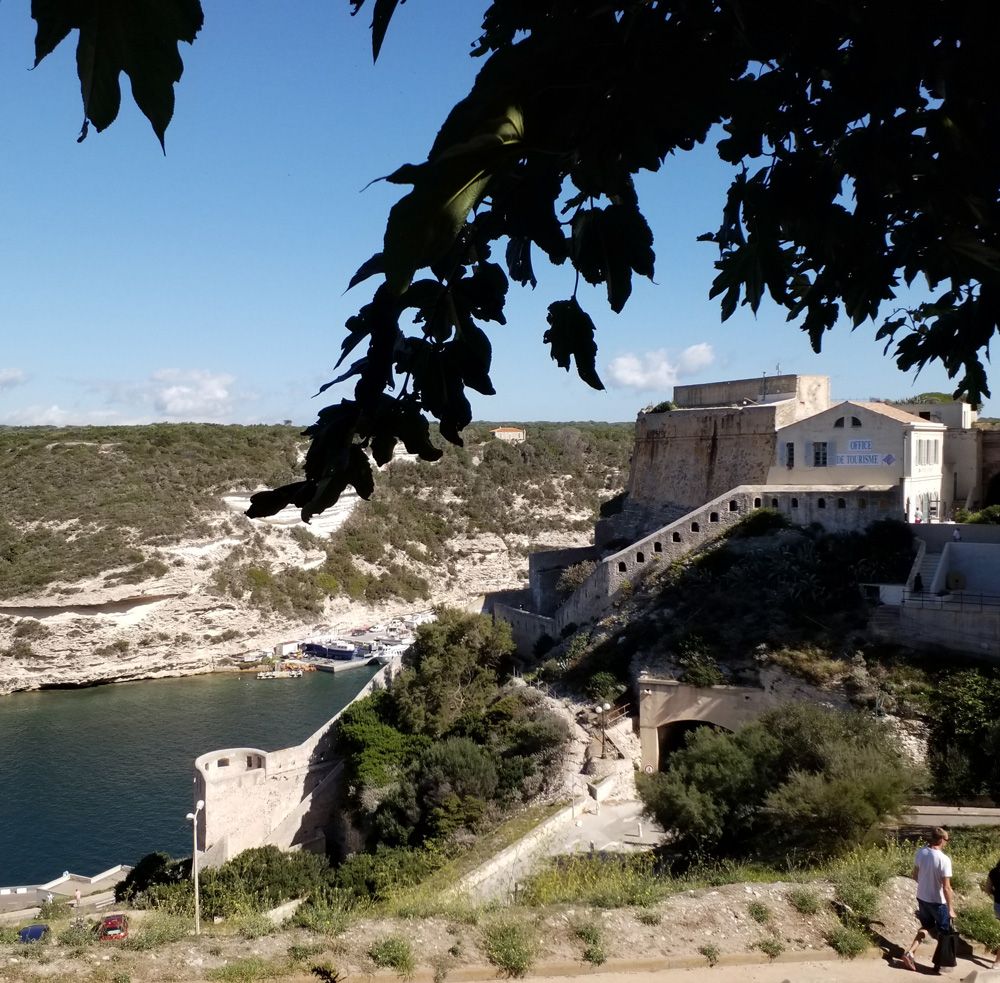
(933, 916)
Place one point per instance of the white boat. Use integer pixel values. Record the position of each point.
(279, 674)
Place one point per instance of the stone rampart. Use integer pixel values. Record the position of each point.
(544, 570)
(282, 797)
(526, 627)
(683, 458)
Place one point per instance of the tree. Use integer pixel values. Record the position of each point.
(451, 671)
(801, 778)
(864, 139)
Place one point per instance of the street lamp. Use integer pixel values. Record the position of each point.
(602, 709)
(193, 819)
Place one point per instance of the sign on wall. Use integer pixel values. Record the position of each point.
(863, 456)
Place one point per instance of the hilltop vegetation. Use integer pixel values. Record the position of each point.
(84, 502)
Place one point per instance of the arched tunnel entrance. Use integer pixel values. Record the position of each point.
(670, 710)
(992, 496)
(674, 735)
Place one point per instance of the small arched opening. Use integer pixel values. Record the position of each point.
(841, 503)
(774, 503)
(695, 527)
(675, 735)
(675, 537)
(757, 503)
(621, 566)
(640, 557)
(795, 503)
(657, 547)
(821, 503)
(734, 506)
(713, 516)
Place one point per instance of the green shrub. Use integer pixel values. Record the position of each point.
(320, 915)
(805, 900)
(590, 934)
(759, 912)
(648, 917)
(848, 941)
(8, 935)
(859, 898)
(510, 946)
(602, 882)
(395, 953)
(252, 925)
(772, 948)
(77, 935)
(54, 910)
(760, 522)
(710, 952)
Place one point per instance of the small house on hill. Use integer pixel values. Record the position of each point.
(512, 435)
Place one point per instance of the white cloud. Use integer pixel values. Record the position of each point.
(191, 394)
(656, 370)
(56, 416)
(9, 378)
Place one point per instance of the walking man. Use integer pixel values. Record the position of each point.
(935, 901)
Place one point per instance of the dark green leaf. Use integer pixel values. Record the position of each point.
(571, 336)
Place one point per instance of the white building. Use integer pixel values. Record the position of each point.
(510, 435)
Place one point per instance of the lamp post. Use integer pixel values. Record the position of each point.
(193, 819)
(602, 709)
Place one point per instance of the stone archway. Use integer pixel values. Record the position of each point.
(672, 736)
(666, 703)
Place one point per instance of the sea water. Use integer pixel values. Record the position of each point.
(94, 777)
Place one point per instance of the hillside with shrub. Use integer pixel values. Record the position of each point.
(135, 538)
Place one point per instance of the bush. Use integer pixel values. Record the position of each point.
(848, 941)
(510, 946)
(319, 915)
(247, 970)
(395, 953)
(156, 931)
(54, 910)
(710, 952)
(772, 948)
(805, 901)
(801, 779)
(77, 935)
(590, 934)
(573, 577)
(759, 912)
(760, 522)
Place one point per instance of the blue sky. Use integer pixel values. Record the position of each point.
(208, 284)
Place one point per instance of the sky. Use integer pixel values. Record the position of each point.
(209, 283)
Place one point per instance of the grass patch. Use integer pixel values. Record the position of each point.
(805, 901)
(848, 941)
(155, 931)
(393, 952)
(321, 917)
(246, 970)
(979, 923)
(510, 946)
(253, 925)
(648, 917)
(810, 662)
(759, 912)
(601, 882)
(298, 952)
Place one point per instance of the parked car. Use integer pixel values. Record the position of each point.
(113, 928)
(33, 933)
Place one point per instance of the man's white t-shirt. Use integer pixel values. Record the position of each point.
(932, 867)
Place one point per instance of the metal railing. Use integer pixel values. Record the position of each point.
(952, 600)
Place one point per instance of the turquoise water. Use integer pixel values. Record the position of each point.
(95, 777)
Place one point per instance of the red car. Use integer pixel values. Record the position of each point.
(113, 928)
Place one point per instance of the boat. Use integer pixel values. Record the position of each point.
(279, 674)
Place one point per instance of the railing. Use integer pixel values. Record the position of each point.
(952, 601)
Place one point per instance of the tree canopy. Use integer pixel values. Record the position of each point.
(866, 154)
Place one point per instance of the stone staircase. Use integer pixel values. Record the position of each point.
(928, 568)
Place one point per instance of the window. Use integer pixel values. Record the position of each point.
(695, 527)
(657, 547)
(839, 422)
(935, 445)
(821, 503)
(756, 503)
(841, 503)
(675, 537)
(920, 452)
(223, 762)
(774, 503)
(855, 422)
(640, 557)
(790, 454)
(249, 760)
(734, 506)
(819, 454)
(621, 567)
(713, 516)
(795, 503)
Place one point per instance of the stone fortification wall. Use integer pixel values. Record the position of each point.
(526, 627)
(935, 623)
(803, 394)
(683, 458)
(283, 797)
(544, 570)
